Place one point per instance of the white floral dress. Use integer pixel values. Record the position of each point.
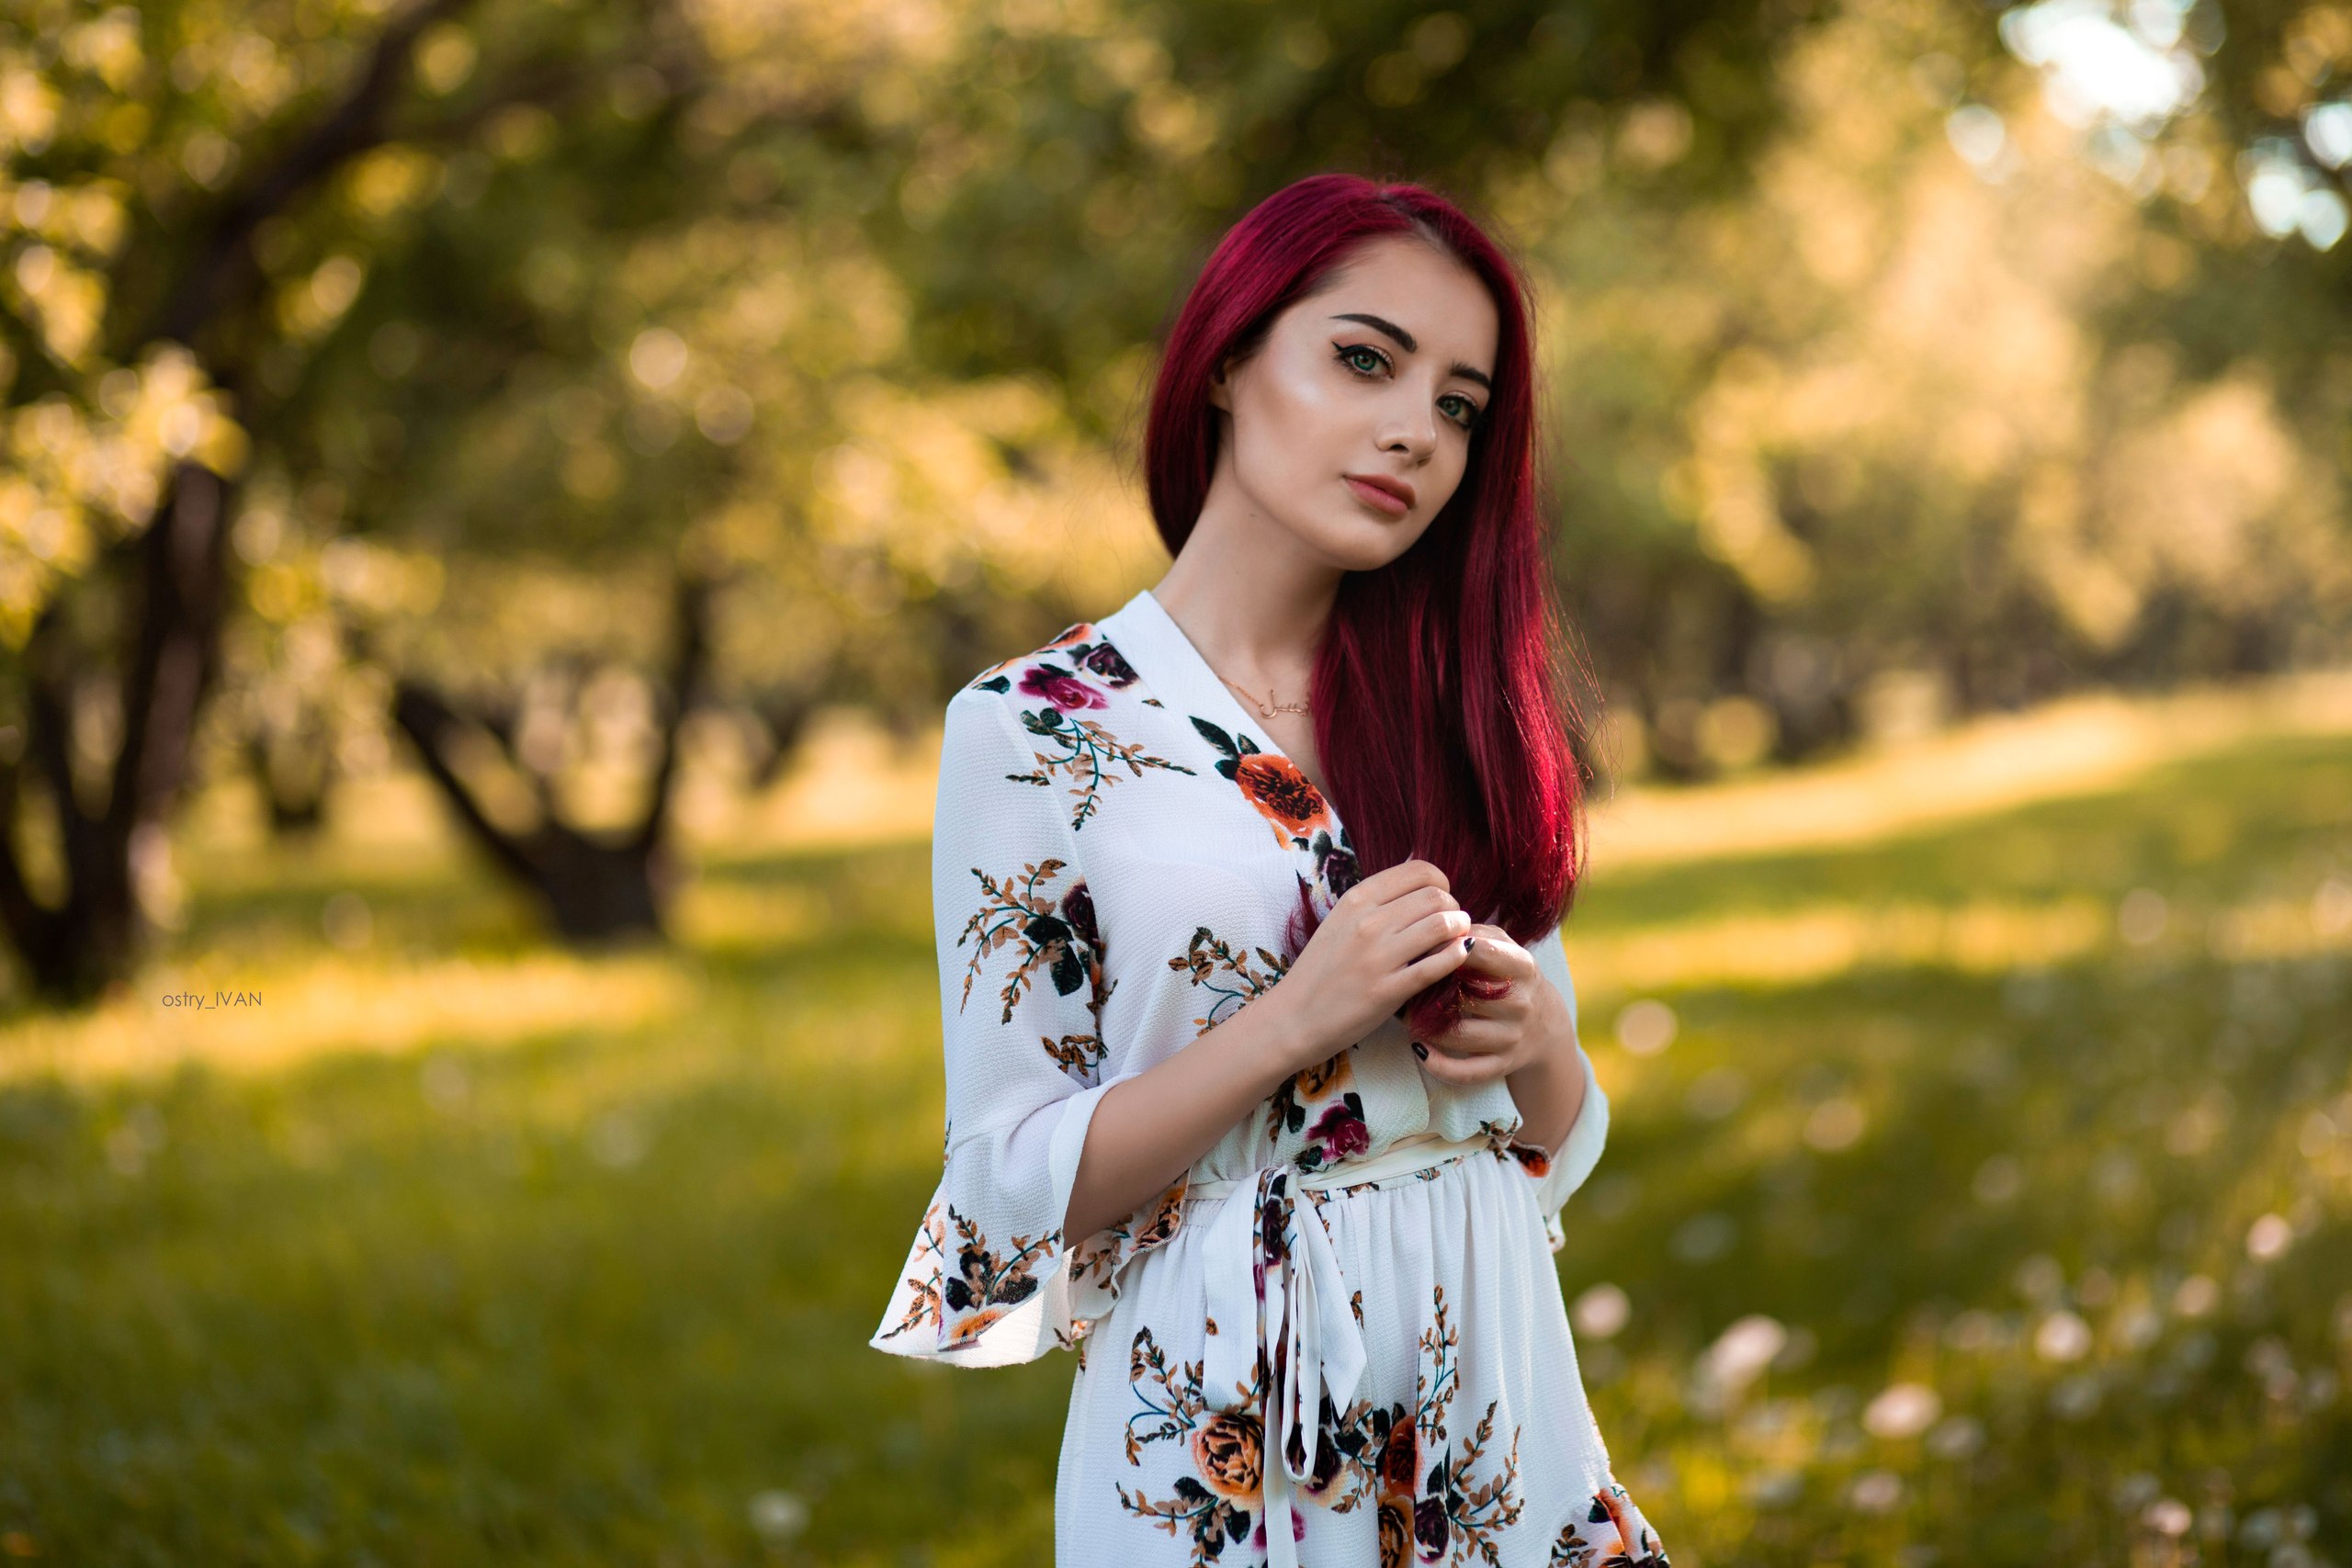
(1372, 1349)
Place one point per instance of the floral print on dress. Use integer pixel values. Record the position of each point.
(1087, 751)
(1057, 937)
(1288, 800)
(1614, 1527)
(981, 1286)
(1234, 975)
(1226, 1450)
(1082, 681)
(1454, 1506)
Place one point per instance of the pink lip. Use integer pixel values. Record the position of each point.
(1391, 496)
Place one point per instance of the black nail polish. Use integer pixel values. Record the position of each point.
(1469, 942)
(1421, 1050)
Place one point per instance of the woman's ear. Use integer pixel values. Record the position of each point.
(1220, 389)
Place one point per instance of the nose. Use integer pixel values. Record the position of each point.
(1411, 428)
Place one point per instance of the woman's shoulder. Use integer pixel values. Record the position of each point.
(1077, 668)
(1077, 678)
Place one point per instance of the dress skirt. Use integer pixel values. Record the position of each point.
(1468, 1437)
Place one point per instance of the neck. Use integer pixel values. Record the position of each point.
(1254, 609)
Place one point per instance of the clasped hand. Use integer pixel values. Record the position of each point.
(1396, 932)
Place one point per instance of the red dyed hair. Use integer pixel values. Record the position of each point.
(1441, 715)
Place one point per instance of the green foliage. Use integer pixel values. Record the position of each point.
(509, 1254)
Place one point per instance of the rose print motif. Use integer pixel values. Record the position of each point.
(1106, 662)
(1396, 1522)
(1060, 687)
(1611, 1524)
(1339, 1129)
(1339, 1133)
(1336, 862)
(1227, 1447)
(1271, 783)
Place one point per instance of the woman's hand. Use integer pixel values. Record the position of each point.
(1528, 1025)
(1387, 938)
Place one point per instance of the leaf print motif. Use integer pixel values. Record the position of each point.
(983, 1287)
(986, 1286)
(1057, 936)
(1099, 1258)
(1478, 1509)
(1226, 1448)
(1079, 1056)
(1610, 1524)
(1087, 751)
(1228, 972)
(1501, 1138)
(1456, 1512)
(924, 1306)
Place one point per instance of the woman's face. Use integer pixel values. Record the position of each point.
(1349, 427)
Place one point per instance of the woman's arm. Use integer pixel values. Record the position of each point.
(1149, 1129)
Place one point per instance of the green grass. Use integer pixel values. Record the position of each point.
(482, 1267)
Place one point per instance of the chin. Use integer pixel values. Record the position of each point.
(1364, 543)
(1352, 540)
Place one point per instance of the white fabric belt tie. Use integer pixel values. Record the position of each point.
(1291, 1308)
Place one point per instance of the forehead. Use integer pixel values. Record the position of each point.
(1404, 279)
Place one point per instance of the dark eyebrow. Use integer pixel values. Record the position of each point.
(1405, 340)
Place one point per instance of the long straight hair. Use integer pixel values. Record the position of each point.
(1442, 716)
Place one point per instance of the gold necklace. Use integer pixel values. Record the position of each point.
(1263, 711)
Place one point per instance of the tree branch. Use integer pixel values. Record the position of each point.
(686, 671)
(224, 261)
(427, 720)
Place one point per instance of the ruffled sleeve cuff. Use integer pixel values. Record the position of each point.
(962, 1302)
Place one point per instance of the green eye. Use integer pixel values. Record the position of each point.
(1371, 362)
(1467, 414)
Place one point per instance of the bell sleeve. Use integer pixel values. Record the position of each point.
(990, 1279)
(1562, 1171)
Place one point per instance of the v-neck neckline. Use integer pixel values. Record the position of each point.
(1201, 686)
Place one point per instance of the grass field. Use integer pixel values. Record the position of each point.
(1977, 1192)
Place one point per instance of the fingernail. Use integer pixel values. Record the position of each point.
(1468, 943)
(1421, 1050)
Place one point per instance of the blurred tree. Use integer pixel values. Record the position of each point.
(120, 363)
(196, 193)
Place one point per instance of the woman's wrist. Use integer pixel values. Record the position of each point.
(1298, 1043)
(1548, 1084)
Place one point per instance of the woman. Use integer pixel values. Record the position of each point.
(1243, 1104)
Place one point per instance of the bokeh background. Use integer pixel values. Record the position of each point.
(495, 493)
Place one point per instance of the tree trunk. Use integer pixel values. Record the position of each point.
(76, 950)
(596, 888)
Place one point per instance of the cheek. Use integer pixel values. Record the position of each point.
(1284, 426)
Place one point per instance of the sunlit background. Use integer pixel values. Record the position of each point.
(494, 496)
